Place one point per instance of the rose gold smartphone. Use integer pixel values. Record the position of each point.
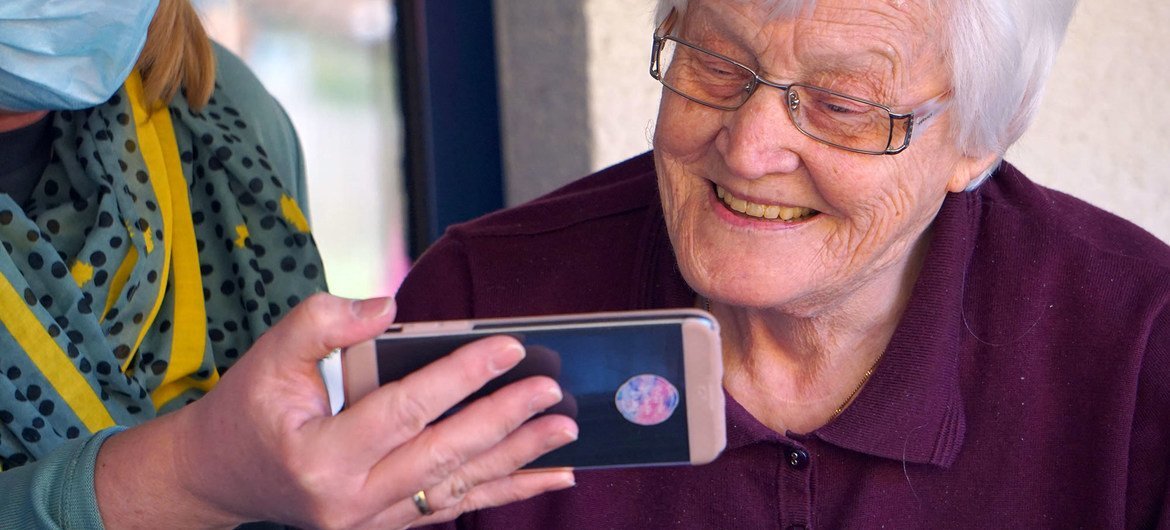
(645, 387)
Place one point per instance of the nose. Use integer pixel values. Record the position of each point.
(759, 138)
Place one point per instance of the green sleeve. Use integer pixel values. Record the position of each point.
(269, 121)
(56, 491)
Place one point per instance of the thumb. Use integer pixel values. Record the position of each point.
(323, 322)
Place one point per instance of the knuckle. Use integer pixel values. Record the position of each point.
(317, 302)
(457, 488)
(312, 484)
(323, 502)
(444, 460)
(316, 307)
(312, 481)
(410, 414)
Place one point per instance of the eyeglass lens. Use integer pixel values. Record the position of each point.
(833, 118)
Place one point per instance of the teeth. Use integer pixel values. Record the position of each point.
(762, 211)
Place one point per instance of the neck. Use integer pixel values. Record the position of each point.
(793, 369)
(11, 121)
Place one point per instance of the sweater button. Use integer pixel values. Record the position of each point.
(797, 458)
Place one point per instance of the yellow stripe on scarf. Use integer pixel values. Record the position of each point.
(51, 360)
(150, 127)
(121, 276)
(160, 151)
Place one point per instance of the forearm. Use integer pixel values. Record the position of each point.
(139, 484)
(56, 491)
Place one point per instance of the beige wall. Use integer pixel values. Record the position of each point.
(623, 101)
(1103, 133)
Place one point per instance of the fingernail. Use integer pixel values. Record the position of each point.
(546, 399)
(563, 437)
(506, 358)
(372, 308)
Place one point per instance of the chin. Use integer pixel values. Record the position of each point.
(722, 273)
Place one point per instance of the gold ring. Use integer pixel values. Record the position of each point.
(420, 502)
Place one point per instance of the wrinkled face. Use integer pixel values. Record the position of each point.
(853, 217)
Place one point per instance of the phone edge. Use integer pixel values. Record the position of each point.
(703, 357)
(359, 371)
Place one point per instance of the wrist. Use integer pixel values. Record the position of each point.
(139, 480)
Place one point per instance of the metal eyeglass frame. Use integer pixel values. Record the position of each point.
(917, 116)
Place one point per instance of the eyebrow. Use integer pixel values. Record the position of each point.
(868, 63)
(864, 64)
(714, 22)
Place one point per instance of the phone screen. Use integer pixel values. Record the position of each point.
(623, 384)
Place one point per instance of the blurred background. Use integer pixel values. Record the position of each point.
(416, 114)
(1102, 132)
(331, 65)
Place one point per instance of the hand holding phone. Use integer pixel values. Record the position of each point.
(282, 457)
(645, 387)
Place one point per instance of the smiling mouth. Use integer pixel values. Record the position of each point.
(771, 212)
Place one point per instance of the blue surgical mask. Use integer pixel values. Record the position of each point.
(68, 54)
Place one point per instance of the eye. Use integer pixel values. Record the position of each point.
(720, 79)
(839, 107)
(720, 68)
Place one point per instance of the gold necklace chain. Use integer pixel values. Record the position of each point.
(853, 394)
(857, 389)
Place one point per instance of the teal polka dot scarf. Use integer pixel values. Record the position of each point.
(156, 248)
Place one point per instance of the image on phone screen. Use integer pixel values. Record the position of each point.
(624, 385)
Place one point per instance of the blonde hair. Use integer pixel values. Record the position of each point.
(177, 54)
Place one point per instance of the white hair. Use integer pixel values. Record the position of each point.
(1000, 53)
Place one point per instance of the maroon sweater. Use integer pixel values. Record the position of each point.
(1027, 386)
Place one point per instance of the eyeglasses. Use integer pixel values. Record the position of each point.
(840, 120)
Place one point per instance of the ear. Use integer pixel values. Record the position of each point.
(970, 168)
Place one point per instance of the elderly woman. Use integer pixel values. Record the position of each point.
(915, 335)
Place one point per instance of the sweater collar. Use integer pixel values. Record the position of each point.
(911, 409)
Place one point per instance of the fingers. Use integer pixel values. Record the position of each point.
(440, 450)
(521, 447)
(490, 479)
(482, 443)
(504, 490)
(398, 411)
(265, 415)
(323, 322)
(378, 453)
